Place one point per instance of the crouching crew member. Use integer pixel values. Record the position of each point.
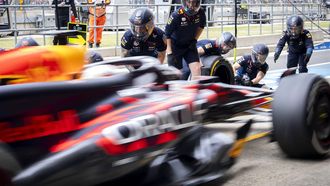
(26, 41)
(208, 47)
(143, 38)
(250, 69)
(220, 46)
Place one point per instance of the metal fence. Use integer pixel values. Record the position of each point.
(253, 18)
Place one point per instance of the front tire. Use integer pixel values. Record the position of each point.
(301, 116)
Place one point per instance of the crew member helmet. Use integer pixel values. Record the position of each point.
(26, 41)
(259, 54)
(191, 7)
(295, 26)
(227, 42)
(142, 23)
(94, 57)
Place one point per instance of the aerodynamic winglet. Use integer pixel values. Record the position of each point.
(241, 134)
(243, 131)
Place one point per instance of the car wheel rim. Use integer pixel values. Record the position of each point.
(321, 121)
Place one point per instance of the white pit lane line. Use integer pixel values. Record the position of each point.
(272, 77)
(279, 71)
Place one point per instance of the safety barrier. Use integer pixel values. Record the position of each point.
(244, 44)
(253, 19)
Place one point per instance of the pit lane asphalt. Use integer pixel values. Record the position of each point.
(262, 163)
(318, 64)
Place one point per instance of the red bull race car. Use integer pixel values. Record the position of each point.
(145, 127)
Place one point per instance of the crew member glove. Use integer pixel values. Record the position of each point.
(308, 54)
(247, 83)
(307, 57)
(276, 56)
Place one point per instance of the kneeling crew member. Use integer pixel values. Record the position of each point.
(250, 69)
(208, 47)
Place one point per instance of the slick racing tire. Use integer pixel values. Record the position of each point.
(218, 66)
(8, 165)
(301, 116)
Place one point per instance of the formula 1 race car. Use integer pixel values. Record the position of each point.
(146, 127)
(54, 63)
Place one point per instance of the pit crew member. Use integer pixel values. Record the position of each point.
(250, 69)
(144, 38)
(182, 31)
(300, 44)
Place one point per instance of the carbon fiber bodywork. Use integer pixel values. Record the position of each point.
(113, 131)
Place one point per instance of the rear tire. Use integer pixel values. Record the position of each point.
(301, 116)
(219, 67)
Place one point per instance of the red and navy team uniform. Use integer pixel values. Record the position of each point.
(182, 29)
(154, 44)
(297, 49)
(249, 68)
(210, 47)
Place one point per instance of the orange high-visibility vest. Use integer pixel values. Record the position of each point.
(100, 7)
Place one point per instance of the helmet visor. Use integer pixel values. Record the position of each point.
(295, 30)
(226, 48)
(142, 31)
(230, 45)
(191, 6)
(139, 30)
(259, 59)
